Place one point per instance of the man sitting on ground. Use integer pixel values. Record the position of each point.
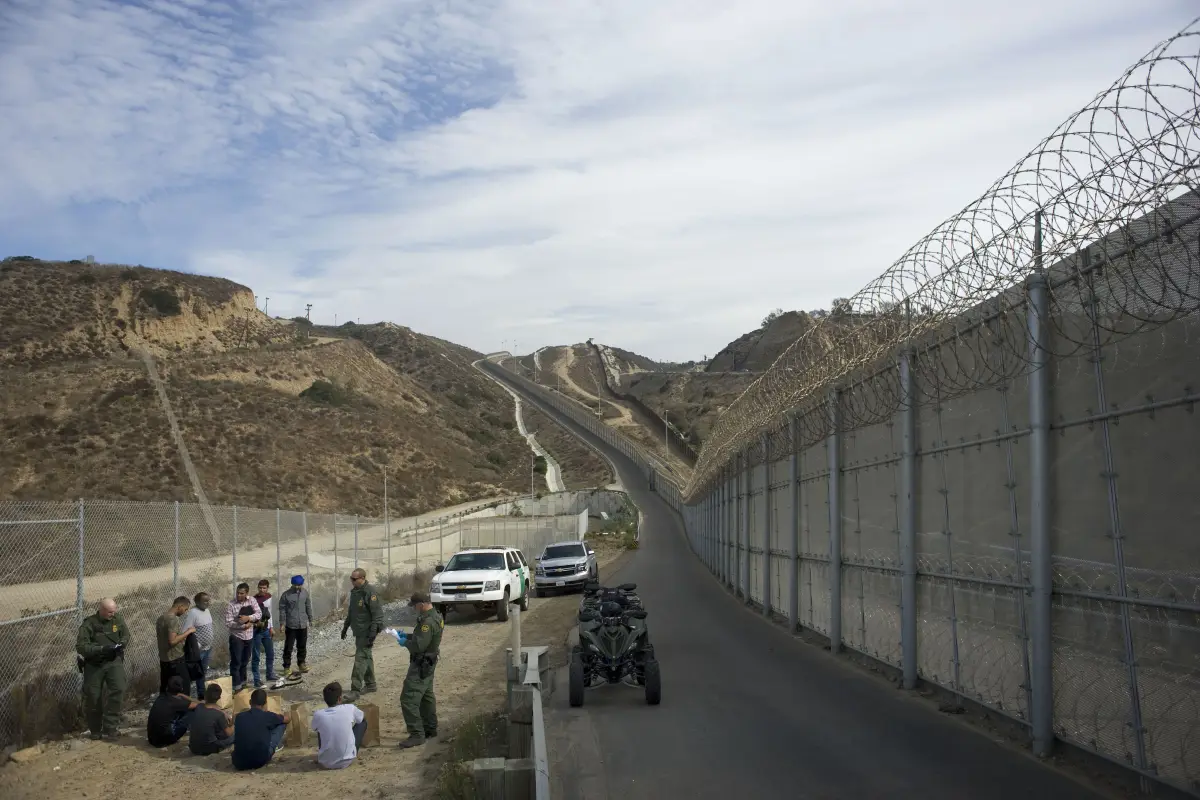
(170, 715)
(339, 728)
(210, 731)
(257, 733)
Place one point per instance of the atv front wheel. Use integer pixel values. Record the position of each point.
(575, 685)
(653, 683)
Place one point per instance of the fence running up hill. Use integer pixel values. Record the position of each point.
(983, 469)
(61, 558)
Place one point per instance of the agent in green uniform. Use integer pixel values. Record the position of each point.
(365, 617)
(101, 645)
(416, 699)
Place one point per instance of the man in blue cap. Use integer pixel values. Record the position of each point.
(295, 612)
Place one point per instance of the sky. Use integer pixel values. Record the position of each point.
(519, 173)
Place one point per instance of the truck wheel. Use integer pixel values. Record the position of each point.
(653, 683)
(502, 608)
(523, 604)
(575, 685)
(443, 609)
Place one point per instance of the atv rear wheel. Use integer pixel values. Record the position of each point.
(502, 607)
(575, 685)
(653, 683)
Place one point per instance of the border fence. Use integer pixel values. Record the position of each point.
(982, 468)
(61, 558)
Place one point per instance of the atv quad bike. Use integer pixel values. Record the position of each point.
(614, 647)
(594, 594)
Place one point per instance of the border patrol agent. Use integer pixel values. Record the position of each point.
(364, 616)
(101, 645)
(416, 699)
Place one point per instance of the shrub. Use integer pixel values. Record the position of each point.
(497, 458)
(328, 393)
(162, 300)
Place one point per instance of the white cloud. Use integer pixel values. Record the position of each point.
(656, 175)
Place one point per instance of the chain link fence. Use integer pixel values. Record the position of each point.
(63, 557)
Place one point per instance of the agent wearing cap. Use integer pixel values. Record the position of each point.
(416, 698)
(295, 611)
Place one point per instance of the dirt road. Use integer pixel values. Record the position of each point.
(469, 680)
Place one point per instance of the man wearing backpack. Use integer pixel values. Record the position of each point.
(262, 636)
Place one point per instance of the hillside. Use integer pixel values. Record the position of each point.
(52, 312)
(272, 416)
(757, 350)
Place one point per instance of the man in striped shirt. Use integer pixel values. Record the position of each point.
(200, 618)
(240, 616)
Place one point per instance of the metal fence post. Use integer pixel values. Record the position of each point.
(744, 565)
(79, 573)
(337, 581)
(307, 563)
(175, 560)
(727, 554)
(356, 541)
(835, 524)
(278, 557)
(766, 526)
(233, 584)
(793, 590)
(1041, 643)
(908, 522)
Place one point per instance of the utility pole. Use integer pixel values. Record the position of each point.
(308, 312)
(266, 305)
(532, 464)
(666, 431)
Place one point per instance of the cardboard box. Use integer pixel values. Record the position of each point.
(299, 730)
(371, 712)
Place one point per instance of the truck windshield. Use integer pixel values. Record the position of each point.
(564, 551)
(465, 561)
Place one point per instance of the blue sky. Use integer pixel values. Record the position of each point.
(657, 176)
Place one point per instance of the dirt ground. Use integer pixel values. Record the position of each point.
(469, 681)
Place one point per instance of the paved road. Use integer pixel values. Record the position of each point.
(751, 712)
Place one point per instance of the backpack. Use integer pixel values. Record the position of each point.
(264, 622)
(191, 657)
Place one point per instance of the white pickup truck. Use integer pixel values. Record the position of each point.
(484, 578)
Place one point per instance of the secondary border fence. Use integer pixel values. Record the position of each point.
(61, 558)
(982, 469)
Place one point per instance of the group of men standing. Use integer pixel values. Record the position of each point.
(185, 637)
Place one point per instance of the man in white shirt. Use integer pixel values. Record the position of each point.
(340, 729)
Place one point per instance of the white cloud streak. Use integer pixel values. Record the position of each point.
(656, 175)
